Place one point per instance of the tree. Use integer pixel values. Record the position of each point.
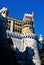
(5, 53)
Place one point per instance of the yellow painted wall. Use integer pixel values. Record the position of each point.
(26, 30)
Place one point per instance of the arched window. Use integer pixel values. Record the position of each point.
(20, 31)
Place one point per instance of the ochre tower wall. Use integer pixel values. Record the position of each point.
(26, 30)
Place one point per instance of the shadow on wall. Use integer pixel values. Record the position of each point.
(26, 57)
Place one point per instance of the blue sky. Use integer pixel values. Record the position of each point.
(17, 9)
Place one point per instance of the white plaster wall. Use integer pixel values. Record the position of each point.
(33, 44)
(18, 43)
(23, 43)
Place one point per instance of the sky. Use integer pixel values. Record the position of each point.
(17, 9)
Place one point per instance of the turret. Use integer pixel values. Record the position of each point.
(28, 21)
(4, 12)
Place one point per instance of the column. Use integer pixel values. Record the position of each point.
(11, 28)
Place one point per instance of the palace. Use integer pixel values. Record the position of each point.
(22, 33)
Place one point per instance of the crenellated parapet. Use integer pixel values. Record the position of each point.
(20, 36)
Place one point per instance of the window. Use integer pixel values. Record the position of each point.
(20, 24)
(16, 23)
(20, 31)
(8, 27)
(9, 21)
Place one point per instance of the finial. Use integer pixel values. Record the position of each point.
(33, 14)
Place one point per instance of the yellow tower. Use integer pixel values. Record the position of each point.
(28, 24)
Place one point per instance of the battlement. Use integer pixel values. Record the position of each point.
(28, 16)
(20, 36)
